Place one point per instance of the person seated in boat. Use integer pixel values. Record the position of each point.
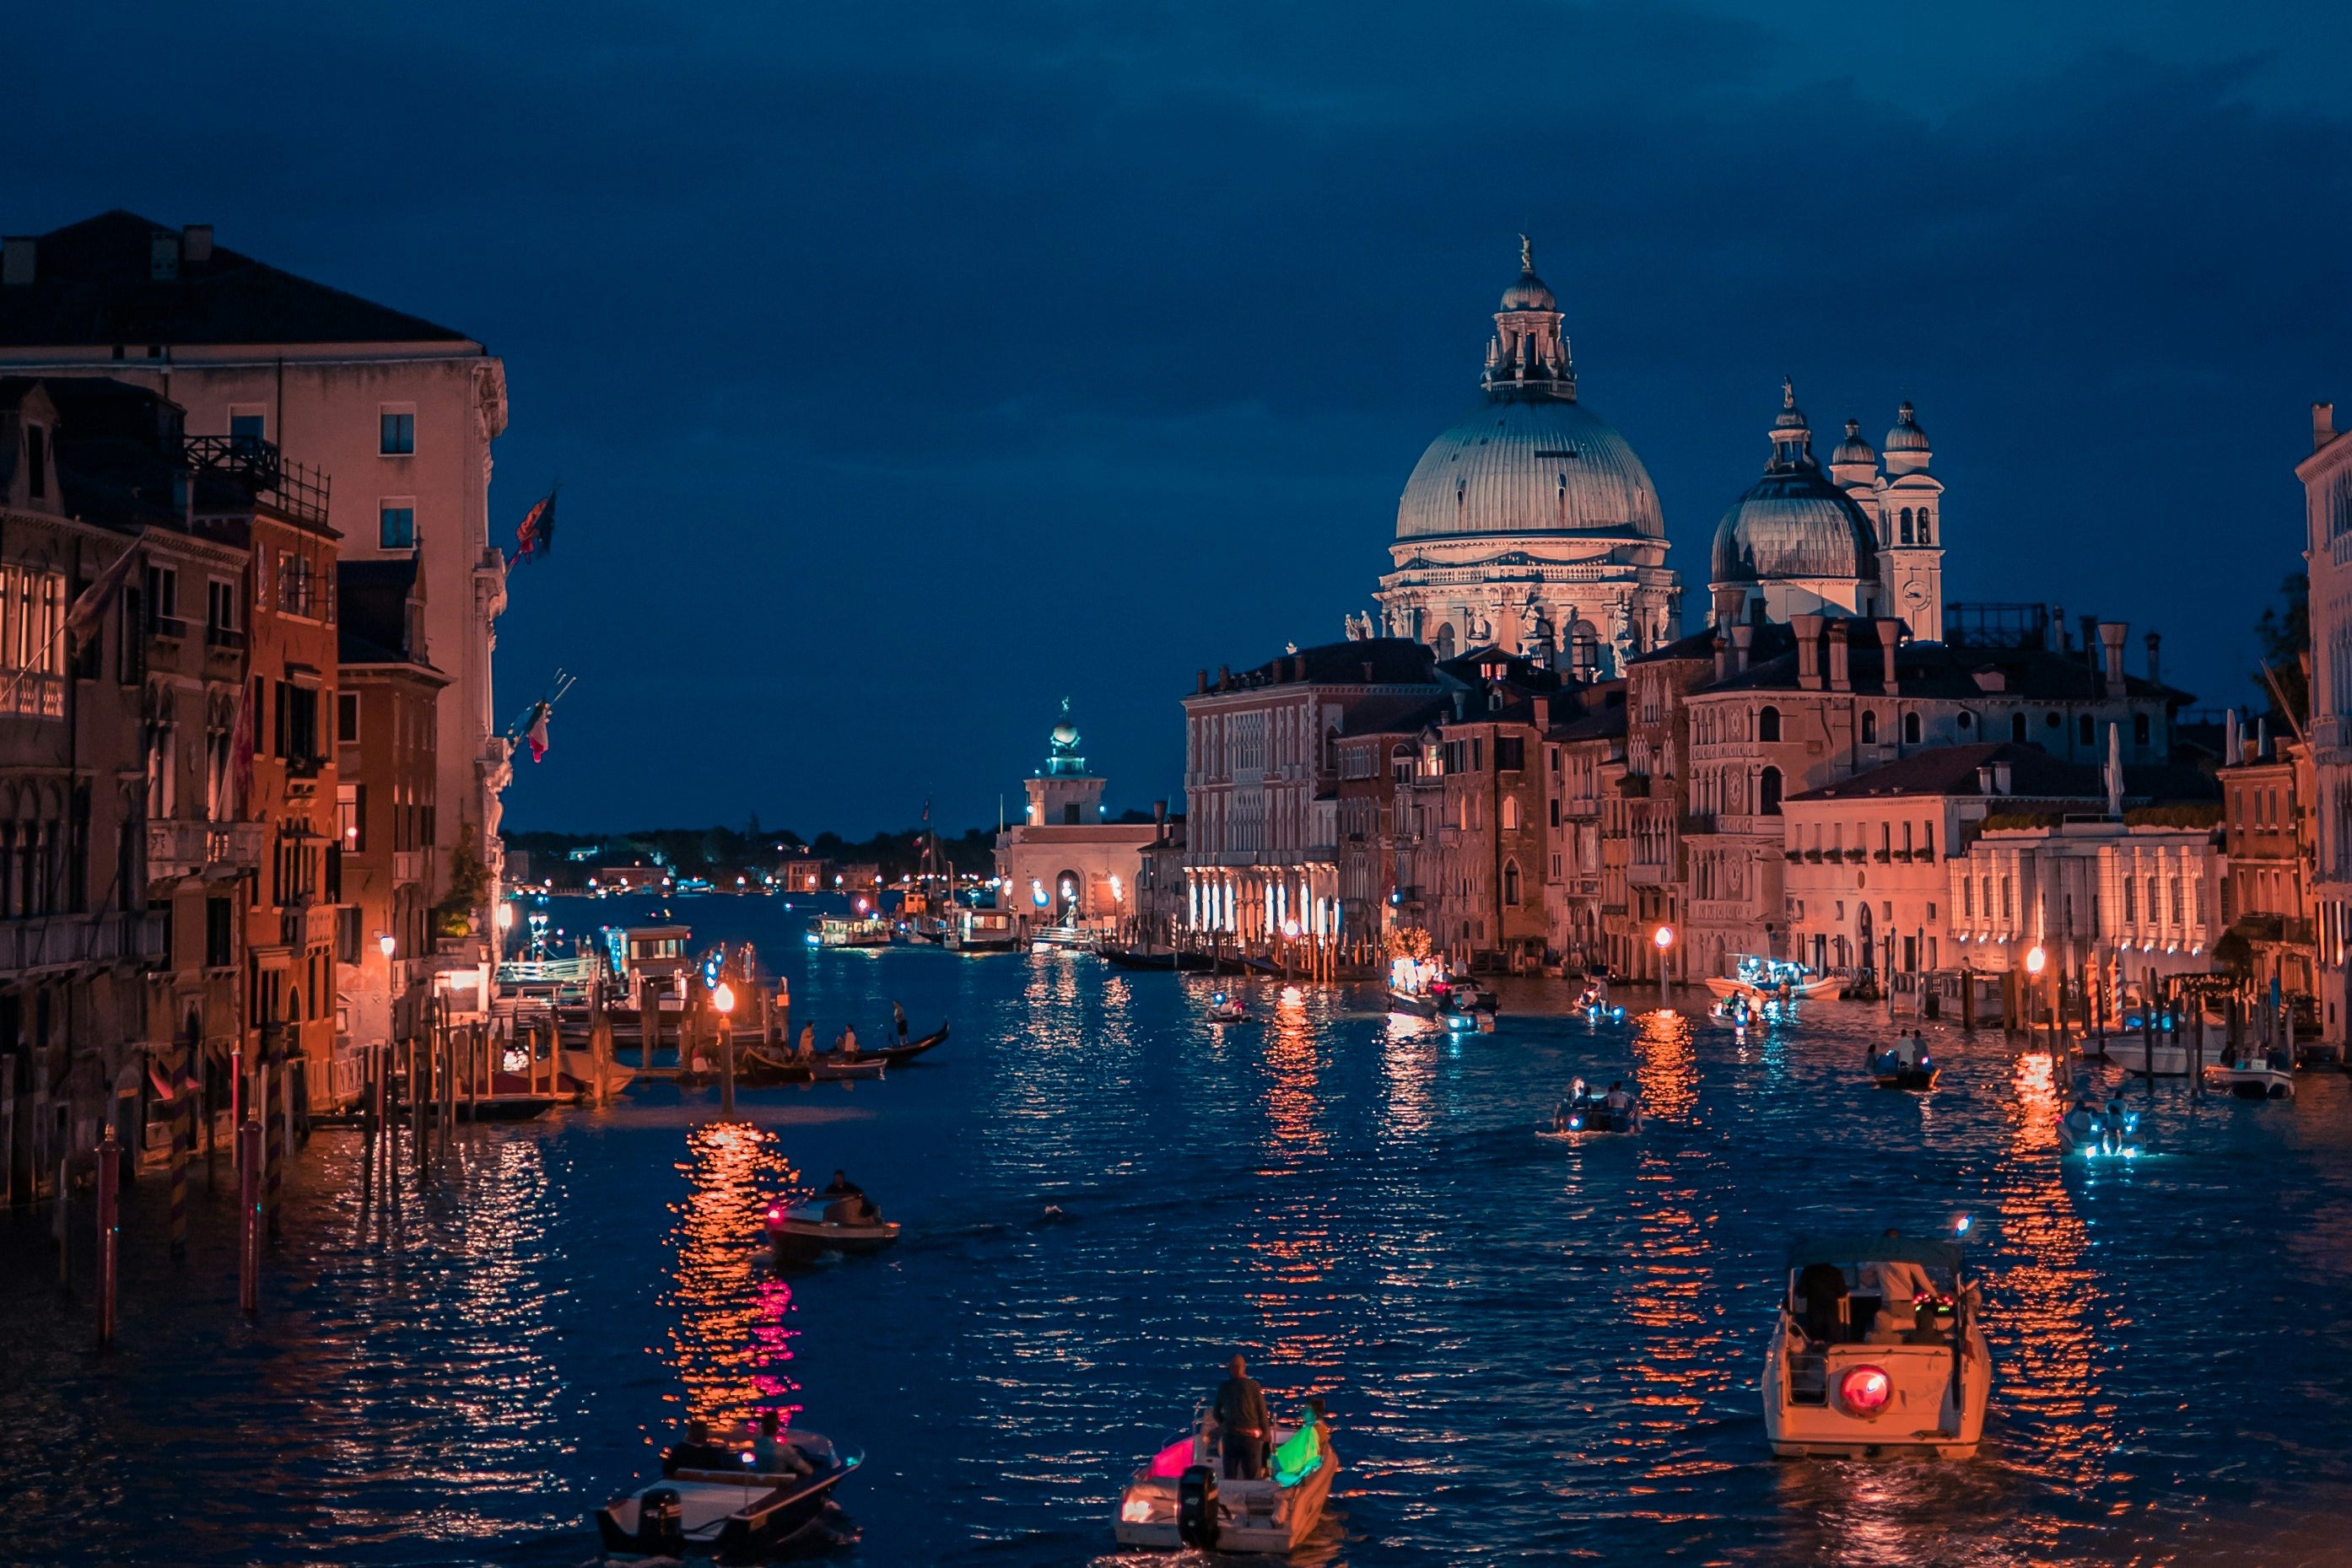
(846, 1045)
(2082, 1124)
(771, 1454)
(1242, 1423)
(1820, 1299)
(1617, 1102)
(697, 1452)
(845, 1202)
(1924, 1329)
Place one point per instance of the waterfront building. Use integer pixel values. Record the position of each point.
(402, 411)
(1530, 525)
(1064, 864)
(1648, 813)
(1492, 832)
(1261, 786)
(1585, 770)
(2326, 476)
(1383, 745)
(1159, 886)
(386, 798)
(2269, 836)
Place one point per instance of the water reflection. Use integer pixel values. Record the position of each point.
(728, 1342)
(1665, 1063)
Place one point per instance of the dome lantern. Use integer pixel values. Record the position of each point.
(1528, 356)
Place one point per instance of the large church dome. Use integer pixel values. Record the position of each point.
(1533, 460)
(1793, 522)
(1517, 466)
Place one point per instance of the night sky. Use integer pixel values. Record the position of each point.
(906, 374)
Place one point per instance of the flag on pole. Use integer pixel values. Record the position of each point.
(536, 537)
(535, 734)
(89, 607)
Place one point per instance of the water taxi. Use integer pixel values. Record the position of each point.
(713, 1500)
(983, 931)
(1876, 1352)
(1177, 1498)
(850, 931)
(1761, 979)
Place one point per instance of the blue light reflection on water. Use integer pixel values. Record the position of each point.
(1532, 1351)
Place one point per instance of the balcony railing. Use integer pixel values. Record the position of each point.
(176, 848)
(227, 637)
(289, 487)
(68, 941)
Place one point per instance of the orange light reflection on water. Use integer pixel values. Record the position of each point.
(728, 1341)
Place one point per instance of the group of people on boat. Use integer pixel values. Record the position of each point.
(1576, 1111)
(1908, 1301)
(2107, 1129)
(769, 1454)
(845, 1043)
(1907, 1054)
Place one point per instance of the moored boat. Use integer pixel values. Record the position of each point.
(715, 1500)
(850, 931)
(2131, 1052)
(1177, 1498)
(1876, 1352)
(2253, 1077)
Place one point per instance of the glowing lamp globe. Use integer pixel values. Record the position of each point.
(723, 998)
(1665, 937)
(2035, 958)
(386, 943)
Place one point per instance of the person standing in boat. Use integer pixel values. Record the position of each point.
(1242, 1423)
(807, 1051)
(898, 1022)
(848, 1044)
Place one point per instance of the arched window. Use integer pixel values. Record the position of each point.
(2017, 727)
(1869, 727)
(1511, 815)
(1906, 525)
(1768, 792)
(1445, 641)
(1768, 724)
(1910, 729)
(1923, 528)
(1511, 881)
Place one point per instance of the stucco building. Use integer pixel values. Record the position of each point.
(1064, 864)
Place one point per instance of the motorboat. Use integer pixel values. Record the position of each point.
(1584, 1113)
(1062, 937)
(851, 1225)
(1224, 1009)
(1466, 1020)
(1177, 1498)
(1761, 979)
(850, 931)
(840, 1066)
(712, 1500)
(1424, 989)
(1905, 1064)
(1876, 1352)
(2111, 1133)
(1593, 1006)
(983, 931)
(2132, 1053)
(2252, 1076)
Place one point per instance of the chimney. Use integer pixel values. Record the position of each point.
(2111, 654)
(1841, 657)
(1743, 638)
(1889, 633)
(1159, 822)
(1808, 629)
(2004, 778)
(1461, 705)
(163, 258)
(2058, 622)
(1298, 667)
(1225, 676)
(1722, 652)
(2323, 420)
(1543, 714)
(2153, 678)
(16, 254)
(1730, 601)
(2090, 641)
(196, 244)
(2261, 737)
(1201, 682)
(1984, 779)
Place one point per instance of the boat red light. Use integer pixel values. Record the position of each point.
(775, 1215)
(1864, 1390)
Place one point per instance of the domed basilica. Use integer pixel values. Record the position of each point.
(1532, 526)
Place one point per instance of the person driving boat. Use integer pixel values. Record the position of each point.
(1242, 1423)
(1617, 1099)
(1898, 1283)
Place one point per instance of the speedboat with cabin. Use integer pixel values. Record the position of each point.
(850, 931)
(1876, 1352)
(2131, 1052)
(1177, 1498)
(715, 1500)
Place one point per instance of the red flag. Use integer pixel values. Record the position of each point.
(536, 734)
(537, 534)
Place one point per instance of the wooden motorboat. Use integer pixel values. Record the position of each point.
(2130, 1053)
(1177, 1499)
(812, 1230)
(711, 1501)
(1850, 1374)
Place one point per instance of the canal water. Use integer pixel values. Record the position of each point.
(1531, 1352)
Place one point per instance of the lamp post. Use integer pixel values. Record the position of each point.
(723, 998)
(2035, 961)
(1664, 938)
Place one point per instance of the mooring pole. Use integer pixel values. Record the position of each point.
(182, 1129)
(248, 1239)
(109, 1229)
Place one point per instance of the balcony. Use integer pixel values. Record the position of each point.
(70, 941)
(177, 849)
(227, 639)
(307, 926)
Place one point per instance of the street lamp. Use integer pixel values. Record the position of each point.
(723, 998)
(1664, 938)
(2035, 958)
(385, 943)
(506, 915)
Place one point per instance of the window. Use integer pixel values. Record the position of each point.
(351, 818)
(1926, 539)
(220, 606)
(399, 435)
(2131, 901)
(1510, 882)
(1768, 792)
(247, 423)
(220, 924)
(1911, 729)
(1768, 724)
(1869, 727)
(2085, 729)
(1511, 814)
(347, 718)
(2139, 729)
(2050, 721)
(1906, 525)
(1510, 753)
(36, 467)
(1555, 811)
(162, 597)
(2017, 727)
(1967, 898)
(396, 527)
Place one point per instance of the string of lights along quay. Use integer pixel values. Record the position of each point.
(1531, 1350)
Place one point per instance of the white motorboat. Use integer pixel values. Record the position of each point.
(812, 1230)
(712, 1501)
(2131, 1052)
(1852, 1374)
(1177, 1498)
(2252, 1077)
(2111, 1133)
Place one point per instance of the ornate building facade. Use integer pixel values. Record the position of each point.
(1530, 525)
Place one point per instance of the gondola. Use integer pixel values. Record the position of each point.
(1174, 962)
(899, 1055)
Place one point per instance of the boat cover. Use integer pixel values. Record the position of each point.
(1173, 1459)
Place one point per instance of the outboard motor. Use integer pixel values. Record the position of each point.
(661, 1532)
(1196, 1507)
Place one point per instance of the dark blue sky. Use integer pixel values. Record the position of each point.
(907, 373)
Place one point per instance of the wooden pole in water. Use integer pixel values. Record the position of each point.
(248, 1247)
(109, 1229)
(726, 1069)
(182, 1136)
